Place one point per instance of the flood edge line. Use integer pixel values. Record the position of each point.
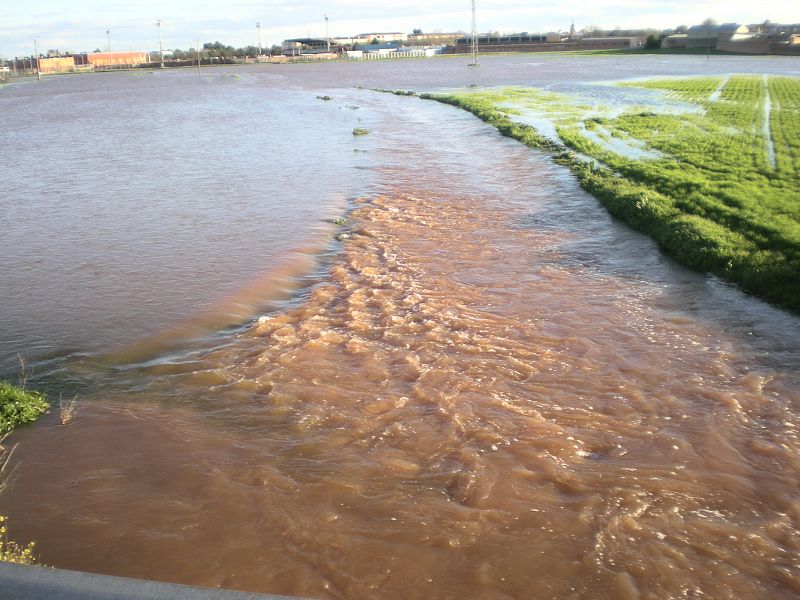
(682, 236)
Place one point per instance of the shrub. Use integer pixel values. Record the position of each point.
(19, 406)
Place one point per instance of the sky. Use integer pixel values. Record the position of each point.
(81, 25)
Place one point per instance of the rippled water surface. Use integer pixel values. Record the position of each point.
(482, 387)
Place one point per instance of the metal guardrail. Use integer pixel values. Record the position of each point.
(21, 582)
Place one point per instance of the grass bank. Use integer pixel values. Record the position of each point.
(19, 406)
(720, 189)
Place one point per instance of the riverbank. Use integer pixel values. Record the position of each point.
(717, 188)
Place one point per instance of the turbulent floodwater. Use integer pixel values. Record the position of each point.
(487, 388)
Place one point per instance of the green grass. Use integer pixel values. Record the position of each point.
(19, 406)
(712, 198)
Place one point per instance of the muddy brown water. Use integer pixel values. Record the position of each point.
(486, 389)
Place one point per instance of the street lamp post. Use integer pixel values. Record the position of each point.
(327, 37)
(260, 51)
(36, 52)
(108, 38)
(474, 39)
(160, 49)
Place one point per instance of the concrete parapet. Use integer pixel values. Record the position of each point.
(20, 582)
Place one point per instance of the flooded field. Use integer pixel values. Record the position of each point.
(482, 386)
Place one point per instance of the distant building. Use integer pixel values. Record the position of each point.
(609, 43)
(419, 51)
(778, 43)
(708, 35)
(393, 36)
(773, 29)
(485, 42)
(676, 40)
(433, 39)
(51, 66)
(352, 41)
(550, 42)
(96, 60)
(116, 59)
(382, 49)
(297, 46)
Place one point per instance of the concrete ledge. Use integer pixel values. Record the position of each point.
(20, 582)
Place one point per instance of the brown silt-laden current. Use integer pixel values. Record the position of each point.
(489, 389)
(454, 413)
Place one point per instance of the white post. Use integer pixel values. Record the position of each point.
(474, 41)
(327, 37)
(36, 52)
(160, 49)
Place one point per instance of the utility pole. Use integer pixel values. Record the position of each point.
(108, 39)
(36, 53)
(197, 50)
(260, 51)
(327, 37)
(474, 40)
(160, 49)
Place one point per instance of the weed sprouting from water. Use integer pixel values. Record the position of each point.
(67, 409)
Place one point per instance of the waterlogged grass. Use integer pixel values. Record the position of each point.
(19, 406)
(720, 190)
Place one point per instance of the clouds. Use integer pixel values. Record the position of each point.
(82, 25)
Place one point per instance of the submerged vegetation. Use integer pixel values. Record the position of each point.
(19, 406)
(718, 185)
(13, 552)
